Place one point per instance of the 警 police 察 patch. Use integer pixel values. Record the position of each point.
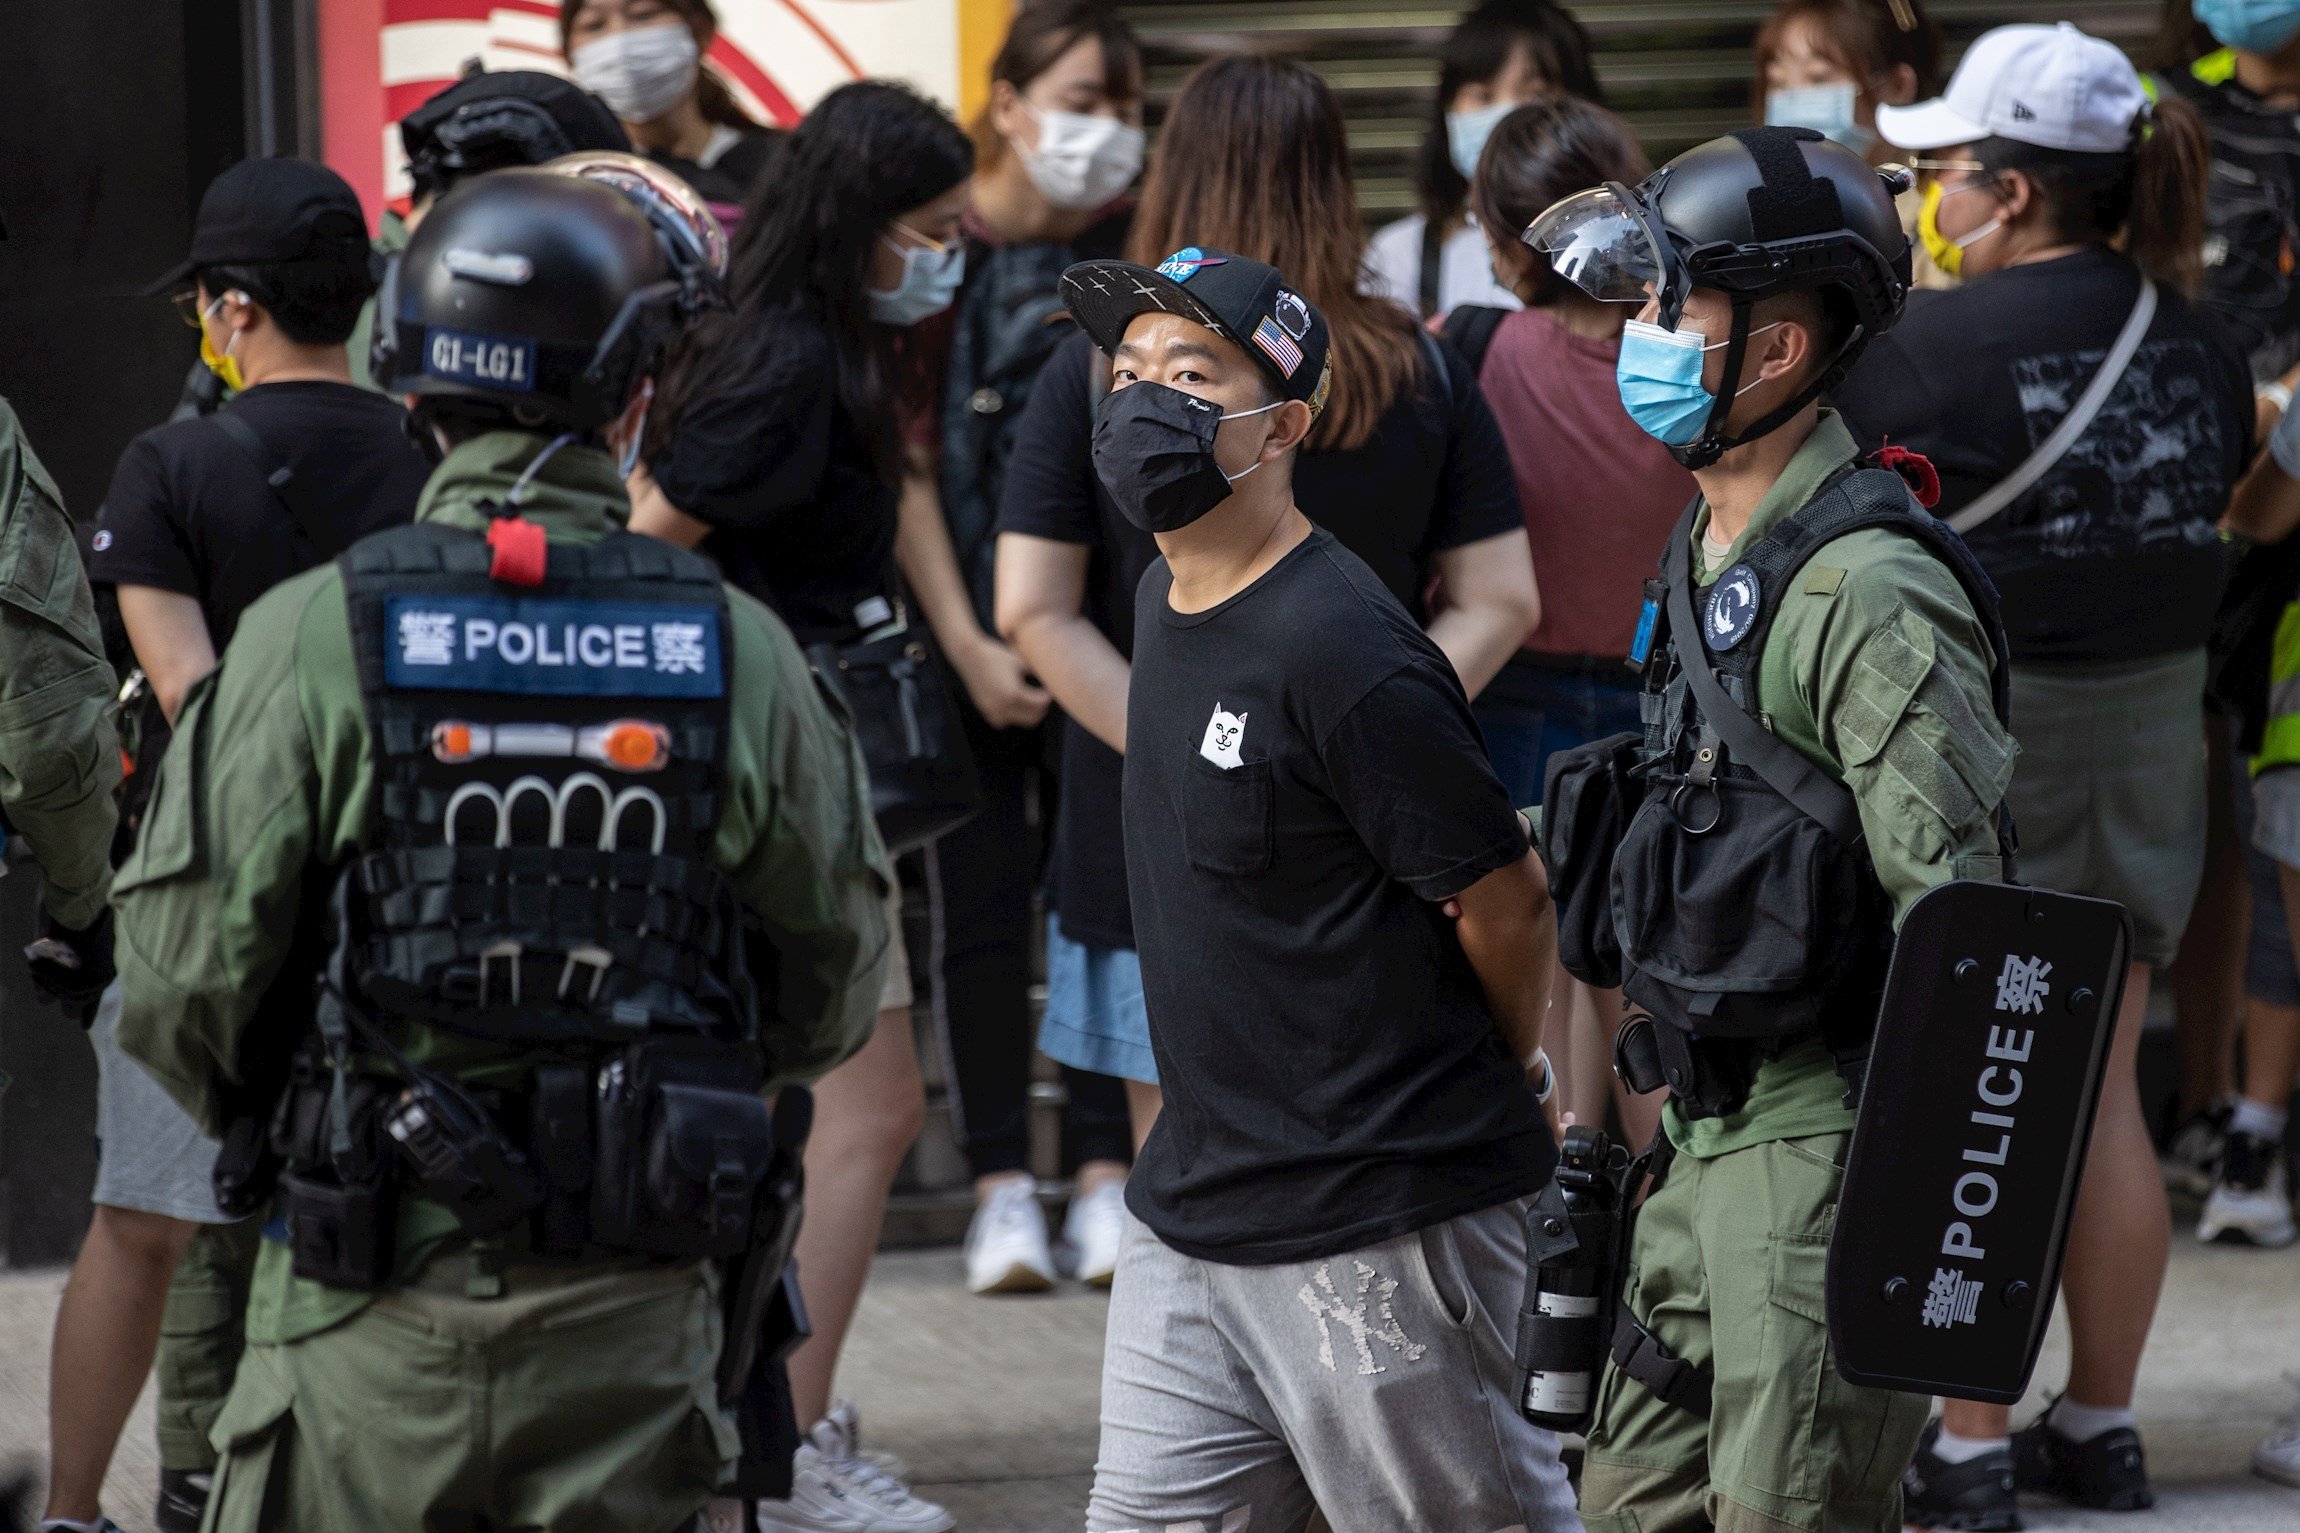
(1732, 609)
(1185, 263)
(553, 647)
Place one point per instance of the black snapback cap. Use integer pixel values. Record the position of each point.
(1243, 301)
(278, 209)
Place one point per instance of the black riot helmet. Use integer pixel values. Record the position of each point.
(493, 120)
(1757, 213)
(547, 294)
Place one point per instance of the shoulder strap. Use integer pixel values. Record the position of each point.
(2055, 447)
(325, 537)
(1470, 328)
(1433, 264)
(1752, 744)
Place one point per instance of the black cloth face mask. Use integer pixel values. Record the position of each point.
(1154, 453)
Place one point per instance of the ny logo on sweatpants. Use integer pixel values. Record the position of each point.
(1324, 1301)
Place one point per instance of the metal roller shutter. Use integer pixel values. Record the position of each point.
(1678, 69)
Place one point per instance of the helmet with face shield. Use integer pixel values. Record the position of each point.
(1757, 213)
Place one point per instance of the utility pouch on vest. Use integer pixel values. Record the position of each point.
(684, 1151)
(1747, 933)
(560, 1142)
(339, 1233)
(461, 1159)
(1588, 795)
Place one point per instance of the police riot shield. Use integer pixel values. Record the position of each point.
(1983, 1080)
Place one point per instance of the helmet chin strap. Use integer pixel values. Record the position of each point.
(1713, 444)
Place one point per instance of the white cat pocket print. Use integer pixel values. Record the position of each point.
(1223, 732)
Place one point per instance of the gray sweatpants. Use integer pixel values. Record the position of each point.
(1376, 1385)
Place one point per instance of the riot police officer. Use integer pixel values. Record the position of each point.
(59, 759)
(1824, 743)
(584, 865)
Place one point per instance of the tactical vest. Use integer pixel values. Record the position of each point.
(537, 901)
(1745, 902)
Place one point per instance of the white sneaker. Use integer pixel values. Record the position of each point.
(2250, 1203)
(835, 1490)
(2278, 1456)
(1092, 1230)
(1006, 1250)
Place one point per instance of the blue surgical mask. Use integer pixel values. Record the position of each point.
(930, 281)
(1660, 377)
(2251, 26)
(1826, 109)
(1466, 133)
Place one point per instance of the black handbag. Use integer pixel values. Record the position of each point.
(922, 781)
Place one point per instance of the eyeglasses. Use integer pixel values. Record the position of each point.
(187, 302)
(939, 247)
(1969, 167)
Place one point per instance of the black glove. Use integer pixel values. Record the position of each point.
(73, 966)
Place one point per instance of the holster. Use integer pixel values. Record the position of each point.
(1709, 1076)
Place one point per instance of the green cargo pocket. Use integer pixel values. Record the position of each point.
(40, 569)
(1793, 1364)
(253, 1438)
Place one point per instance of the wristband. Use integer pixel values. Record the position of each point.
(1548, 1087)
(2284, 443)
(2278, 394)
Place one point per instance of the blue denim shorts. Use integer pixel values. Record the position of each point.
(1095, 1017)
(1529, 713)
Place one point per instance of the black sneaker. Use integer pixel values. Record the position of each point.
(1976, 1495)
(2107, 1473)
(183, 1500)
(103, 1525)
(2191, 1153)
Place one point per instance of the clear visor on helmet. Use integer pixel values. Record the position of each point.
(671, 205)
(1596, 241)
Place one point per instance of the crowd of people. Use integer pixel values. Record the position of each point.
(948, 408)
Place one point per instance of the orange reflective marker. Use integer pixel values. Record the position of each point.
(452, 742)
(635, 745)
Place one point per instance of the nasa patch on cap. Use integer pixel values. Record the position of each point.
(1731, 612)
(1185, 263)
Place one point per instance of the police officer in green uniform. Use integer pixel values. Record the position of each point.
(1756, 896)
(584, 866)
(59, 760)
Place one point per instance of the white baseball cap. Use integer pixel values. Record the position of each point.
(2054, 87)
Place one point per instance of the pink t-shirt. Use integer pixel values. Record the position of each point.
(1600, 496)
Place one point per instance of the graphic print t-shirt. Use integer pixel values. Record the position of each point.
(2112, 555)
(1304, 784)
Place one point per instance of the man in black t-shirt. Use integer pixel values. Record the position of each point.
(204, 515)
(1327, 1217)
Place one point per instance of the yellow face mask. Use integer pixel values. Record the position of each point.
(1948, 254)
(222, 363)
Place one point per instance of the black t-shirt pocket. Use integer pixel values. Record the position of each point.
(1228, 817)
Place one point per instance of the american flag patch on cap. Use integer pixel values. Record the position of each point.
(1278, 346)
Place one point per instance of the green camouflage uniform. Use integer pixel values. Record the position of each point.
(59, 760)
(1877, 670)
(481, 1384)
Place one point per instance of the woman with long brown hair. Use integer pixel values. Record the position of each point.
(644, 58)
(1405, 467)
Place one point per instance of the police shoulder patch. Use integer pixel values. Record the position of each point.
(1731, 612)
(554, 647)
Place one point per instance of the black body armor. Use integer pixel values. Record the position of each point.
(1708, 869)
(537, 923)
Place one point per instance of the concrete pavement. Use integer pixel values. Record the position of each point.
(991, 1402)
